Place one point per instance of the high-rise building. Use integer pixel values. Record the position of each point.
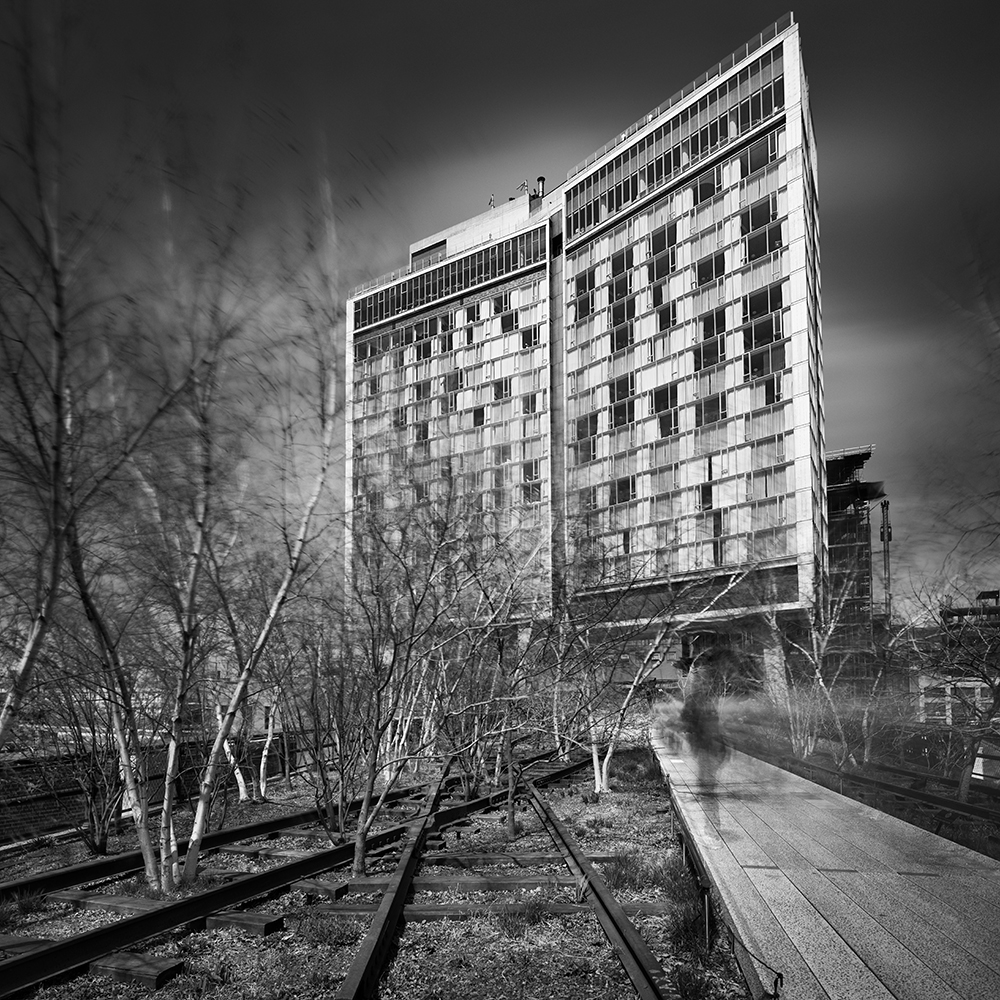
(628, 366)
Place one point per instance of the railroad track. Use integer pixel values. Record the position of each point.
(317, 873)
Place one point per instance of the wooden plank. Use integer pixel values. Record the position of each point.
(961, 954)
(425, 912)
(841, 973)
(104, 901)
(761, 933)
(899, 966)
(786, 846)
(467, 883)
(130, 967)
(975, 909)
(254, 923)
(456, 860)
(16, 944)
(321, 887)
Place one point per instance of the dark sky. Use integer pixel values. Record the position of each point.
(422, 111)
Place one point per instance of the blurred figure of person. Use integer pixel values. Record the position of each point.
(668, 724)
(699, 720)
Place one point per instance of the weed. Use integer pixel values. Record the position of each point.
(331, 930)
(597, 823)
(13, 908)
(692, 982)
(686, 930)
(623, 871)
(514, 920)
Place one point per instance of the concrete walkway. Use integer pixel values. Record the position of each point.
(846, 902)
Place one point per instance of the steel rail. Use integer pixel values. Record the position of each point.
(72, 954)
(131, 861)
(643, 968)
(366, 970)
(977, 785)
(939, 802)
(363, 977)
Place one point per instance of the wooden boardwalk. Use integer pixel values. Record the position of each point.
(846, 902)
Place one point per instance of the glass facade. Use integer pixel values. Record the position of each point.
(672, 353)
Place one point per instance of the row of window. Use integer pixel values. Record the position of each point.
(731, 110)
(463, 274)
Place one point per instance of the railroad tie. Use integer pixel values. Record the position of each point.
(132, 967)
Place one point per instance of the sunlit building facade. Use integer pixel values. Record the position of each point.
(628, 366)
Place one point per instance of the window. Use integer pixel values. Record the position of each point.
(626, 542)
(665, 398)
(622, 337)
(763, 362)
(586, 427)
(762, 331)
(706, 185)
(421, 430)
(621, 287)
(759, 214)
(472, 312)
(399, 417)
(667, 316)
(529, 337)
(621, 262)
(762, 302)
(508, 322)
(502, 388)
(760, 154)
(622, 311)
(373, 386)
(705, 496)
(663, 265)
(707, 411)
(446, 344)
(710, 268)
(421, 492)
(587, 498)
(479, 416)
(660, 239)
(709, 353)
(622, 490)
(764, 242)
(501, 454)
(423, 350)
(622, 388)
(531, 488)
(621, 392)
(454, 381)
(423, 390)
(529, 403)
(501, 303)
(623, 413)
(713, 323)
(585, 282)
